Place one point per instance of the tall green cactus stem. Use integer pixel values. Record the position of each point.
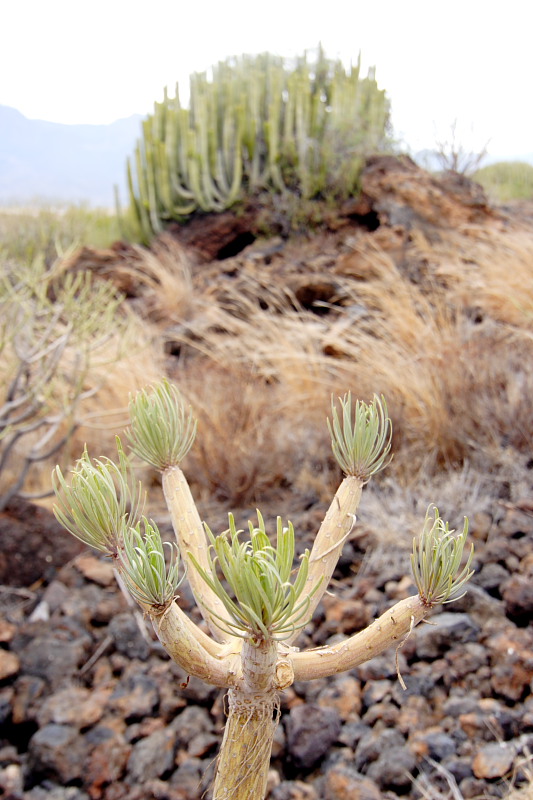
(258, 125)
(256, 613)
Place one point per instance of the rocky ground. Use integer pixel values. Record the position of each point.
(91, 707)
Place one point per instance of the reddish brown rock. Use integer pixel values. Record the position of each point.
(211, 236)
(343, 782)
(293, 790)
(74, 706)
(345, 616)
(9, 664)
(404, 194)
(493, 761)
(7, 630)
(106, 763)
(518, 598)
(342, 693)
(511, 653)
(95, 569)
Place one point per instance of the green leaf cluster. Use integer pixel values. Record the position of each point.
(436, 561)
(102, 502)
(162, 428)
(102, 506)
(265, 603)
(144, 569)
(361, 441)
(256, 124)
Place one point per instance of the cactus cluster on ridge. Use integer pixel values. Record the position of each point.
(256, 125)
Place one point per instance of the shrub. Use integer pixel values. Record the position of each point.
(259, 125)
(507, 180)
(52, 331)
(27, 233)
(252, 599)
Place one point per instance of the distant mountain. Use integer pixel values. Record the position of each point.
(48, 161)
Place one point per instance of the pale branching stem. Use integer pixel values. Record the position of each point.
(253, 715)
(251, 598)
(193, 650)
(390, 627)
(191, 539)
(327, 547)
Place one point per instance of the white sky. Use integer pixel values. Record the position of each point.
(99, 60)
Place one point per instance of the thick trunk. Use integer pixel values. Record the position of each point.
(253, 714)
(244, 758)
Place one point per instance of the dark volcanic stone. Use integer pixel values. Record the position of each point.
(447, 630)
(127, 637)
(153, 756)
(373, 744)
(394, 768)
(311, 730)
(54, 792)
(135, 696)
(57, 751)
(47, 541)
(53, 659)
(192, 722)
(491, 576)
(440, 745)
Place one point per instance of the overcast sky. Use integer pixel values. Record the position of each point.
(95, 62)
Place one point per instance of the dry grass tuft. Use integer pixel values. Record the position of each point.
(246, 444)
(433, 330)
(162, 276)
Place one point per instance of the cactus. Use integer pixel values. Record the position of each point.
(258, 612)
(257, 125)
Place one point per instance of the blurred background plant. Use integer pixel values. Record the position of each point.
(507, 180)
(45, 231)
(60, 332)
(258, 124)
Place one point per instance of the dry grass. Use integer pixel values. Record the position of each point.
(125, 363)
(162, 276)
(442, 327)
(448, 342)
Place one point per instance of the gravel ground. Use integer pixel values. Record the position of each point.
(91, 706)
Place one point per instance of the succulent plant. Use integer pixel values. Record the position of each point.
(258, 124)
(253, 599)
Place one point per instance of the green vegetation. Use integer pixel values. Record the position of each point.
(54, 328)
(26, 234)
(264, 602)
(258, 125)
(507, 180)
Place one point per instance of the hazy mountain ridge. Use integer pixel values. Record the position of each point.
(49, 161)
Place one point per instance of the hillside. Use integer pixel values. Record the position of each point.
(420, 290)
(47, 161)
